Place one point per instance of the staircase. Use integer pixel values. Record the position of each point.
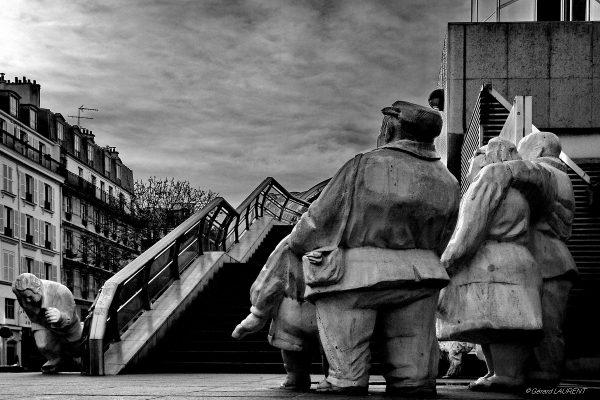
(201, 339)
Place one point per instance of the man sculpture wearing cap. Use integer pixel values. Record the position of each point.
(56, 328)
(371, 244)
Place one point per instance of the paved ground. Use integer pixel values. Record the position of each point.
(67, 386)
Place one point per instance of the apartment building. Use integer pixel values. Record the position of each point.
(98, 226)
(29, 206)
(65, 210)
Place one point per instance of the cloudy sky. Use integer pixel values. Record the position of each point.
(226, 93)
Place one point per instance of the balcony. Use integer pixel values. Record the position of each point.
(23, 148)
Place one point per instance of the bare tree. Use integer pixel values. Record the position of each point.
(162, 204)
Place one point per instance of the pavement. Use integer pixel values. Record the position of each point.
(67, 386)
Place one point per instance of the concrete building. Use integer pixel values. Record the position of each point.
(29, 205)
(485, 66)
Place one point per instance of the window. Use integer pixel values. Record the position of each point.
(77, 146)
(8, 266)
(118, 171)
(60, 131)
(33, 119)
(30, 188)
(51, 272)
(80, 172)
(48, 236)
(68, 278)
(7, 221)
(68, 240)
(90, 154)
(48, 197)
(110, 191)
(30, 226)
(85, 285)
(68, 204)
(13, 105)
(9, 308)
(107, 165)
(23, 136)
(42, 148)
(7, 178)
(94, 181)
(84, 213)
(27, 265)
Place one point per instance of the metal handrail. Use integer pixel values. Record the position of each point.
(131, 291)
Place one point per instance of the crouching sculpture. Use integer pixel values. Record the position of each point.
(56, 328)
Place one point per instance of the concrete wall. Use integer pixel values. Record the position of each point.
(557, 63)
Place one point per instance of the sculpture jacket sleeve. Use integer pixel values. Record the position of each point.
(477, 209)
(65, 303)
(281, 276)
(323, 223)
(536, 182)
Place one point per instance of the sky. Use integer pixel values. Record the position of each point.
(225, 93)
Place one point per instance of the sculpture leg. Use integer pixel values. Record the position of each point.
(345, 333)
(411, 347)
(297, 366)
(509, 368)
(548, 356)
(489, 362)
(51, 348)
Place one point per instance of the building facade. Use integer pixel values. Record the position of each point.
(30, 205)
(65, 210)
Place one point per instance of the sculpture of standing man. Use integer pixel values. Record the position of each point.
(56, 328)
(372, 242)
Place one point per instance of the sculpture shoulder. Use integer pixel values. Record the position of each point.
(55, 289)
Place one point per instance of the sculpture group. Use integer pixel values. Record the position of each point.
(386, 241)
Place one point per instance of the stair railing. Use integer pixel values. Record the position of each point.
(132, 290)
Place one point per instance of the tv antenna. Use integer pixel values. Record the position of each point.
(79, 117)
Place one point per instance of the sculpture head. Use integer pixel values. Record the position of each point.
(497, 150)
(539, 144)
(404, 120)
(28, 289)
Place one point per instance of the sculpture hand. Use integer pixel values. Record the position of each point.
(315, 257)
(250, 324)
(52, 315)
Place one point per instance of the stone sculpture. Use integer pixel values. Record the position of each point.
(453, 351)
(371, 245)
(493, 298)
(56, 328)
(542, 177)
(277, 294)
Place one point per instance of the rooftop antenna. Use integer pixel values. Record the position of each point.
(79, 117)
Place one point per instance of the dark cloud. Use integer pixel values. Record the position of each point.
(225, 93)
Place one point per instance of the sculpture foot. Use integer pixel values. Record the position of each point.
(296, 383)
(496, 384)
(51, 367)
(326, 387)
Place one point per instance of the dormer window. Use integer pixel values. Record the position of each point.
(118, 171)
(77, 146)
(14, 105)
(90, 154)
(60, 131)
(33, 119)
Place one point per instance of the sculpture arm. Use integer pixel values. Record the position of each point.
(323, 223)
(63, 300)
(536, 182)
(476, 212)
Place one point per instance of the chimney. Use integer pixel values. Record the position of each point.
(2, 77)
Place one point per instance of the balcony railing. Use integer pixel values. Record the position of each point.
(217, 227)
(23, 148)
(93, 192)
